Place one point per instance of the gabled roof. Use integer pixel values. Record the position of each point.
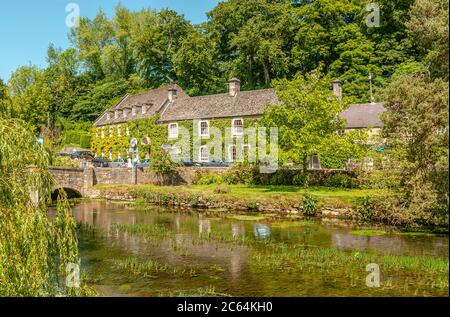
(245, 103)
(363, 115)
(153, 99)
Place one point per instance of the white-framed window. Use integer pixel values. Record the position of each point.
(237, 126)
(110, 154)
(111, 131)
(133, 111)
(119, 130)
(108, 116)
(232, 153)
(127, 131)
(116, 114)
(314, 162)
(103, 132)
(124, 113)
(203, 155)
(102, 154)
(203, 128)
(144, 109)
(173, 130)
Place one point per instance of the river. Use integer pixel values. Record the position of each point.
(198, 253)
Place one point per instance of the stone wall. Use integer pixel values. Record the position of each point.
(111, 176)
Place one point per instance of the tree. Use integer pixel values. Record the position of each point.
(429, 28)
(35, 249)
(416, 121)
(308, 117)
(164, 167)
(31, 96)
(195, 64)
(416, 128)
(252, 38)
(90, 38)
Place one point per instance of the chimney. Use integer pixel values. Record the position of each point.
(234, 86)
(337, 89)
(172, 95)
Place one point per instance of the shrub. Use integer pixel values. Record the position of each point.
(85, 141)
(164, 167)
(208, 178)
(300, 179)
(340, 180)
(309, 205)
(364, 207)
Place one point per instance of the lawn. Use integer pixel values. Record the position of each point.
(256, 192)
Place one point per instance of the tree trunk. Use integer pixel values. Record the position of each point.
(266, 73)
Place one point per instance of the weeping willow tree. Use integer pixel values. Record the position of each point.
(35, 249)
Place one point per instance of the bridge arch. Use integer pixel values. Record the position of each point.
(70, 192)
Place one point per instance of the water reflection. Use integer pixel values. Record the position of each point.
(261, 231)
(202, 241)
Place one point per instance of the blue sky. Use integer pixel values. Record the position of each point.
(28, 26)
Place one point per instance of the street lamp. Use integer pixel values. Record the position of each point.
(134, 155)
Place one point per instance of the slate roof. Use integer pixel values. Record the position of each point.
(154, 100)
(245, 103)
(363, 115)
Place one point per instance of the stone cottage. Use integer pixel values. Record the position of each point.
(234, 109)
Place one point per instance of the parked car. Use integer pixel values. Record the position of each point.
(86, 156)
(100, 162)
(215, 162)
(187, 162)
(143, 163)
(118, 163)
(61, 154)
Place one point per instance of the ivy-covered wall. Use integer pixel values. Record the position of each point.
(158, 135)
(333, 155)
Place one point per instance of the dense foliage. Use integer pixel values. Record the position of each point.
(34, 248)
(255, 40)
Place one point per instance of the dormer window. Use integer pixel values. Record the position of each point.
(133, 111)
(124, 113)
(108, 116)
(203, 128)
(173, 130)
(144, 109)
(237, 127)
(116, 114)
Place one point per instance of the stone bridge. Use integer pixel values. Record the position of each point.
(77, 182)
(80, 182)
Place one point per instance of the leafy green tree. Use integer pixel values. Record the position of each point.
(416, 127)
(31, 96)
(195, 64)
(155, 36)
(3, 98)
(90, 38)
(308, 118)
(252, 38)
(164, 167)
(101, 96)
(35, 249)
(429, 28)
